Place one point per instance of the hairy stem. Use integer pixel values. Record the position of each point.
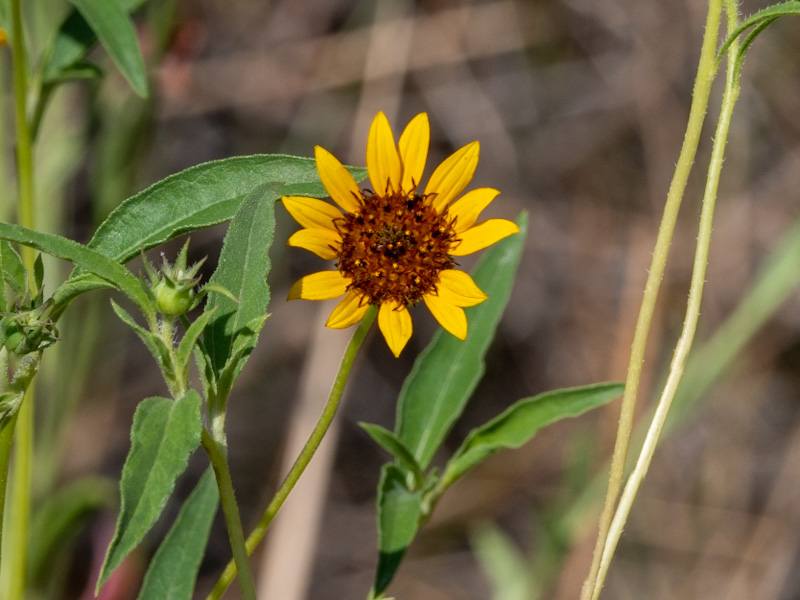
(217, 455)
(686, 338)
(697, 112)
(16, 563)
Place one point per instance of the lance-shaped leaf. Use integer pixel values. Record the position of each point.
(522, 420)
(398, 519)
(72, 43)
(13, 268)
(760, 19)
(158, 349)
(174, 567)
(164, 434)
(446, 372)
(115, 30)
(200, 196)
(243, 268)
(189, 342)
(394, 446)
(83, 257)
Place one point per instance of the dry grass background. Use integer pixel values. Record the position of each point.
(580, 109)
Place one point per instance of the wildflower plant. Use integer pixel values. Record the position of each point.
(394, 244)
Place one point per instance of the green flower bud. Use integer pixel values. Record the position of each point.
(28, 331)
(174, 286)
(173, 300)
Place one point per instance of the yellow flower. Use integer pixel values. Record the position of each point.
(394, 246)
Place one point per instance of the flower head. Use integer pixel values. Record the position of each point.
(394, 246)
(174, 286)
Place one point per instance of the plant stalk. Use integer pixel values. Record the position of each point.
(697, 112)
(684, 343)
(16, 562)
(306, 454)
(217, 455)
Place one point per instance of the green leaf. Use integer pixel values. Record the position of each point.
(446, 373)
(522, 420)
(243, 268)
(174, 567)
(201, 196)
(242, 345)
(72, 43)
(154, 343)
(398, 519)
(10, 403)
(13, 269)
(70, 46)
(763, 17)
(189, 341)
(83, 257)
(74, 287)
(114, 28)
(78, 71)
(38, 271)
(394, 446)
(164, 434)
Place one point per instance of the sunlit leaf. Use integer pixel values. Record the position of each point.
(13, 269)
(522, 420)
(164, 434)
(174, 567)
(446, 372)
(83, 257)
(200, 196)
(242, 270)
(394, 446)
(398, 519)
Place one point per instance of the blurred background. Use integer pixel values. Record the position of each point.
(580, 109)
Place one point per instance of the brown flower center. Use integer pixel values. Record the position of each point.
(394, 247)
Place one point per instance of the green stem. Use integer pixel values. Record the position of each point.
(26, 208)
(177, 383)
(21, 482)
(19, 526)
(684, 343)
(697, 112)
(6, 438)
(314, 440)
(217, 455)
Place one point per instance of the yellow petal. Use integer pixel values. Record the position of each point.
(319, 286)
(453, 175)
(395, 324)
(337, 180)
(467, 209)
(310, 212)
(482, 235)
(383, 162)
(451, 317)
(413, 147)
(348, 312)
(458, 288)
(322, 242)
